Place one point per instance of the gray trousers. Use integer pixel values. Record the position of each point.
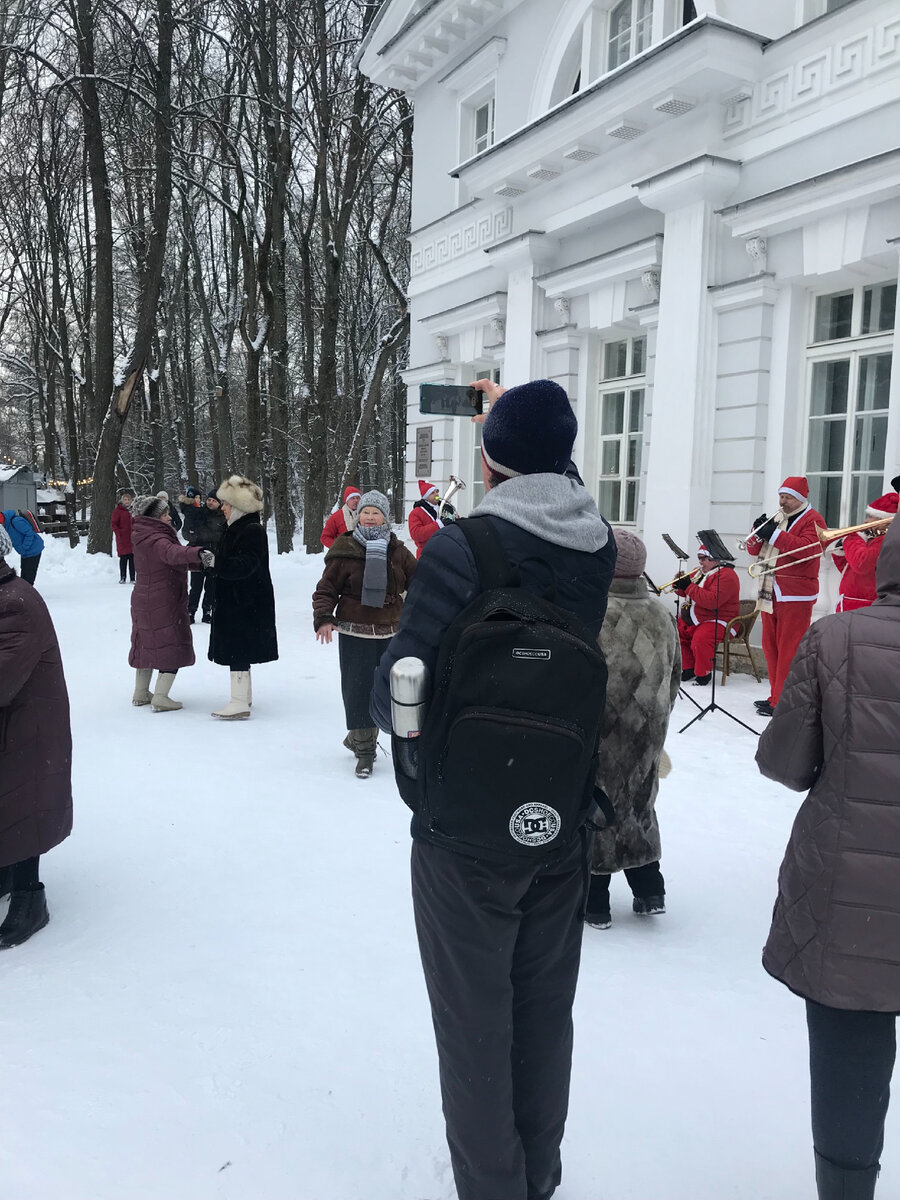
(500, 947)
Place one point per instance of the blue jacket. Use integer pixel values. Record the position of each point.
(26, 542)
(446, 581)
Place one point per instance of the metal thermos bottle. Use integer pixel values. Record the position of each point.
(410, 692)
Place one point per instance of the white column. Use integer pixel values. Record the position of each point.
(679, 465)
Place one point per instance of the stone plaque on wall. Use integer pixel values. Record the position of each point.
(423, 450)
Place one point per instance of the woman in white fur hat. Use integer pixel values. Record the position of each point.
(243, 617)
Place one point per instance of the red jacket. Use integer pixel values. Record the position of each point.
(857, 562)
(120, 523)
(702, 595)
(423, 525)
(795, 580)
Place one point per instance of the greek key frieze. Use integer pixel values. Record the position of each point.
(455, 243)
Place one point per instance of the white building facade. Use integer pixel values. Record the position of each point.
(688, 214)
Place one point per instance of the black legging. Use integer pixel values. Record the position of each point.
(851, 1059)
(29, 568)
(24, 875)
(126, 560)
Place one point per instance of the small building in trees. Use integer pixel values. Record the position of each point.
(18, 488)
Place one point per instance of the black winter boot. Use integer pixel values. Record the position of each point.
(27, 914)
(364, 743)
(843, 1183)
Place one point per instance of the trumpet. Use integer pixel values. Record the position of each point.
(456, 485)
(742, 542)
(826, 537)
(671, 584)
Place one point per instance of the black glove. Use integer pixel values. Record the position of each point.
(760, 520)
(682, 583)
(765, 531)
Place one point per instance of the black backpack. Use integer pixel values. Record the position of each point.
(507, 758)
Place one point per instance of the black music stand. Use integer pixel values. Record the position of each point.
(720, 552)
(682, 556)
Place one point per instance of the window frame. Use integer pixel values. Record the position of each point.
(628, 385)
(635, 21)
(852, 350)
(485, 95)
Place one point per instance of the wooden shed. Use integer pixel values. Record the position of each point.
(18, 488)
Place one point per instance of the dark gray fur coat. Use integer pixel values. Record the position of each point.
(641, 648)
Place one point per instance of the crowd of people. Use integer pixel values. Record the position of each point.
(531, 783)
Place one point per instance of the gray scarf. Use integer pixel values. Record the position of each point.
(553, 507)
(375, 539)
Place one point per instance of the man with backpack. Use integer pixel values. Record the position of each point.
(25, 535)
(504, 613)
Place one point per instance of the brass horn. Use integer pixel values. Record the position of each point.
(456, 485)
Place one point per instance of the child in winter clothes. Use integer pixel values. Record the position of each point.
(366, 576)
(26, 541)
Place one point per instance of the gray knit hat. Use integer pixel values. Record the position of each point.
(5, 544)
(377, 500)
(148, 506)
(631, 555)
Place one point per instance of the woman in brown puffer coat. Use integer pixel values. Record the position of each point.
(835, 936)
(35, 751)
(160, 624)
(367, 573)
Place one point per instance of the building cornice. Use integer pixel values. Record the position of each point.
(626, 262)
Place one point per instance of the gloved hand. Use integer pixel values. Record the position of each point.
(208, 559)
(765, 531)
(682, 583)
(760, 520)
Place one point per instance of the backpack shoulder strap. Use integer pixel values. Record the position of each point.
(494, 568)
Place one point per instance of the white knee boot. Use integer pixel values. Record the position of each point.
(141, 686)
(238, 707)
(161, 701)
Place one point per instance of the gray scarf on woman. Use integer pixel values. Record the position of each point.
(375, 539)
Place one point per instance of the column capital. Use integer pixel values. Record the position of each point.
(707, 177)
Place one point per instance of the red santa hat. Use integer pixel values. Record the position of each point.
(795, 485)
(702, 552)
(884, 506)
(426, 489)
(350, 491)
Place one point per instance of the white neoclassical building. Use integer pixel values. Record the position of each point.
(688, 214)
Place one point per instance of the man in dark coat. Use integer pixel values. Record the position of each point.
(834, 938)
(243, 619)
(204, 525)
(501, 943)
(35, 751)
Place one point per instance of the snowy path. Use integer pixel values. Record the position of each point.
(227, 1003)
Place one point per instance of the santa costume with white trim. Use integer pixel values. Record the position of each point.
(858, 557)
(424, 521)
(795, 586)
(714, 599)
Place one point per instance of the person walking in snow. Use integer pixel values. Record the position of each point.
(833, 939)
(342, 520)
(120, 523)
(500, 942)
(243, 618)
(367, 573)
(424, 519)
(160, 631)
(640, 646)
(26, 541)
(35, 751)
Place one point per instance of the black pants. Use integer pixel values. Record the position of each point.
(23, 876)
(202, 582)
(851, 1059)
(359, 658)
(500, 948)
(29, 566)
(126, 560)
(644, 882)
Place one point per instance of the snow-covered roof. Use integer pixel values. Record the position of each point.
(50, 496)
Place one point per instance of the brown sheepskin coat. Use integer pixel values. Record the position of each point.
(341, 588)
(35, 742)
(835, 935)
(160, 625)
(640, 644)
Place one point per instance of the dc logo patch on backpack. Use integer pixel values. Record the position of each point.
(507, 755)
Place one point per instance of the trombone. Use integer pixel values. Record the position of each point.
(456, 485)
(826, 537)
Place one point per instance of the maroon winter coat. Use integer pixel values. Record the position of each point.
(120, 523)
(35, 742)
(160, 625)
(835, 935)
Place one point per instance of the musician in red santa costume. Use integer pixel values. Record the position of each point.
(424, 520)
(715, 597)
(789, 588)
(856, 557)
(343, 519)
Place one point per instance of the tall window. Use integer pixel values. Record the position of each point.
(849, 387)
(630, 27)
(622, 393)
(483, 126)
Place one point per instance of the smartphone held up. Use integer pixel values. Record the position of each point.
(450, 400)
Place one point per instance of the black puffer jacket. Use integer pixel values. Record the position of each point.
(243, 616)
(836, 730)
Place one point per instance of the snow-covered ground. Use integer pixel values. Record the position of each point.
(228, 1005)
